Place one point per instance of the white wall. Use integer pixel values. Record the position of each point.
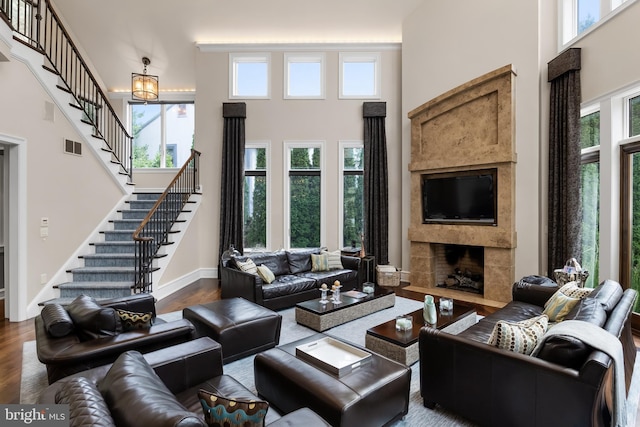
(278, 120)
(446, 44)
(74, 193)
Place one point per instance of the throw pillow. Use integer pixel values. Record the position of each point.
(334, 260)
(572, 289)
(247, 266)
(559, 305)
(56, 320)
(319, 262)
(220, 411)
(86, 404)
(131, 320)
(266, 274)
(520, 337)
(93, 320)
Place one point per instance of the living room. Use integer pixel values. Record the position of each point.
(419, 64)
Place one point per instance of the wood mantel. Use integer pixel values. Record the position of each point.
(469, 127)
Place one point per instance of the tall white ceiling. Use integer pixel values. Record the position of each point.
(116, 34)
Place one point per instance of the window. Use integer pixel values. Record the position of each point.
(360, 75)
(255, 196)
(304, 75)
(590, 183)
(352, 193)
(304, 194)
(249, 74)
(162, 134)
(578, 16)
(633, 104)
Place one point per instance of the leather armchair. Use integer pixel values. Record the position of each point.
(73, 352)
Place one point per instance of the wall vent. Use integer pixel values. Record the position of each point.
(72, 147)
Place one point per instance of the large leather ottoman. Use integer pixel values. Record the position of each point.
(241, 327)
(374, 394)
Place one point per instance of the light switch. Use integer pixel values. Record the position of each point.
(44, 231)
(44, 221)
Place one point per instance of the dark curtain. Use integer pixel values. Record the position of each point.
(376, 199)
(565, 204)
(231, 196)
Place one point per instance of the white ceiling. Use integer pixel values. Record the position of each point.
(116, 34)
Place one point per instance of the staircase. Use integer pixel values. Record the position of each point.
(109, 271)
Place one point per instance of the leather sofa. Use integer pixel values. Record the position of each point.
(563, 385)
(67, 346)
(294, 279)
(157, 389)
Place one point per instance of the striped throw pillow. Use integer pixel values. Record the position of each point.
(247, 266)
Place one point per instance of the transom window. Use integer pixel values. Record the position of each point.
(250, 75)
(304, 75)
(578, 16)
(360, 75)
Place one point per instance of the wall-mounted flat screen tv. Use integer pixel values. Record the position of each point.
(468, 197)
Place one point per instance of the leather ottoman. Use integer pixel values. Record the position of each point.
(375, 394)
(241, 327)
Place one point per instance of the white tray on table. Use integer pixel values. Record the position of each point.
(333, 356)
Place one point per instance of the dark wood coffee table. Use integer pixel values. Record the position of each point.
(402, 346)
(320, 317)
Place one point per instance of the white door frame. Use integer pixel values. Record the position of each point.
(15, 226)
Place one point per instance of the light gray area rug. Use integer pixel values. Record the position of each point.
(34, 376)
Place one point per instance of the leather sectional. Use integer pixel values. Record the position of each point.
(563, 385)
(294, 279)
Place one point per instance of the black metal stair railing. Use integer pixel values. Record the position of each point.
(37, 25)
(154, 229)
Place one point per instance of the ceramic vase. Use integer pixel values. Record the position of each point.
(429, 310)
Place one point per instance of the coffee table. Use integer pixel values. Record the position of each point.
(402, 346)
(320, 317)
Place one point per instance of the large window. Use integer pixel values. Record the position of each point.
(249, 75)
(255, 196)
(304, 75)
(162, 134)
(304, 202)
(352, 193)
(590, 181)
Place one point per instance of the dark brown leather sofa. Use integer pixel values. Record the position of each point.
(157, 389)
(564, 385)
(65, 347)
(295, 282)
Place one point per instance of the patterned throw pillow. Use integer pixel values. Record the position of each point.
(319, 262)
(220, 411)
(572, 289)
(334, 260)
(559, 305)
(519, 337)
(131, 320)
(266, 274)
(247, 266)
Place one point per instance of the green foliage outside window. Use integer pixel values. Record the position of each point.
(590, 175)
(255, 199)
(304, 197)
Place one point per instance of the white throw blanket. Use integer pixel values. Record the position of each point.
(606, 342)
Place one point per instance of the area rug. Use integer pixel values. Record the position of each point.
(34, 376)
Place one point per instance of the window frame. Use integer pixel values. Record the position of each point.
(262, 144)
(343, 145)
(375, 57)
(307, 57)
(248, 57)
(288, 145)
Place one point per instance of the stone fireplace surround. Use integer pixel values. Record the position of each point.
(470, 127)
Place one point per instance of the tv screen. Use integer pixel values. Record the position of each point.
(465, 197)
